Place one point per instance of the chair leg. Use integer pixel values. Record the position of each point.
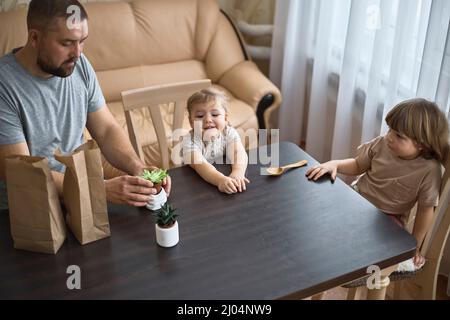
(318, 296)
(379, 292)
(381, 284)
(354, 293)
(427, 280)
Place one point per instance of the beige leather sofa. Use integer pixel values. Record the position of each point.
(141, 43)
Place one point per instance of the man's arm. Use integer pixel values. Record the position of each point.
(123, 190)
(22, 149)
(117, 149)
(114, 142)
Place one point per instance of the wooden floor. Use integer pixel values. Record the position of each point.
(340, 293)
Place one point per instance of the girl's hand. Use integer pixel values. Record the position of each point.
(227, 185)
(316, 172)
(239, 182)
(418, 260)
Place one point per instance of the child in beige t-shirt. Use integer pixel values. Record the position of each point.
(401, 168)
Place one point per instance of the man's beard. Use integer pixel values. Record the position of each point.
(56, 71)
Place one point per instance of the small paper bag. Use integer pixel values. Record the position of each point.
(37, 222)
(84, 193)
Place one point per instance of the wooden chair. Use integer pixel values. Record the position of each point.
(421, 283)
(154, 98)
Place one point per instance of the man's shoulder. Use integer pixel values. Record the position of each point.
(8, 72)
(84, 63)
(5, 63)
(5, 58)
(84, 68)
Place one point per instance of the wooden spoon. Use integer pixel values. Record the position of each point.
(279, 171)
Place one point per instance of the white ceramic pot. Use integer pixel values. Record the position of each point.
(158, 201)
(167, 237)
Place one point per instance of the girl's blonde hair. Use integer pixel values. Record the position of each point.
(206, 96)
(422, 121)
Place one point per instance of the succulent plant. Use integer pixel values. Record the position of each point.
(166, 217)
(155, 176)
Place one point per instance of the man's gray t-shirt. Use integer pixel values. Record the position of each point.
(47, 114)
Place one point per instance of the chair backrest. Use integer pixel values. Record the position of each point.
(433, 245)
(435, 240)
(152, 98)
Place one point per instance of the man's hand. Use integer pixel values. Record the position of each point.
(167, 185)
(129, 190)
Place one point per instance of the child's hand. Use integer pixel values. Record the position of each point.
(239, 182)
(418, 260)
(317, 171)
(227, 185)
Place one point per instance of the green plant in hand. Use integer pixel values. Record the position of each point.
(155, 176)
(166, 217)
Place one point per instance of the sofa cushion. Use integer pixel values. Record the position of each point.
(113, 82)
(181, 71)
(112, 42)
(183, 34)
(13, 30)
(139, 33)
(224, 51)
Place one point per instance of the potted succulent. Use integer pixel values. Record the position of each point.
(166, 226)
(156, 176)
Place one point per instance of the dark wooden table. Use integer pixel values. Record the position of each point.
(283, 237)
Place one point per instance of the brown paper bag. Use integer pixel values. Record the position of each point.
(37, 222)
(84, 193)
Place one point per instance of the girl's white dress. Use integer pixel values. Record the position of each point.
(212, 151)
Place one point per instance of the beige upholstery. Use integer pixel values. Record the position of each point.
(144, 43)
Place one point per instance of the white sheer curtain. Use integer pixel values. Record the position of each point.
(342, 64)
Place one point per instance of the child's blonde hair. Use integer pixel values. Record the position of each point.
(422, 121)
(206, 96)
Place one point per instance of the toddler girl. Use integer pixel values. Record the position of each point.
(212, 137)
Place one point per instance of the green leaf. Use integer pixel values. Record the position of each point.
(156, 176)
(166, 215)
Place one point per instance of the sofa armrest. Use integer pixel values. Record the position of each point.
(247, 83)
